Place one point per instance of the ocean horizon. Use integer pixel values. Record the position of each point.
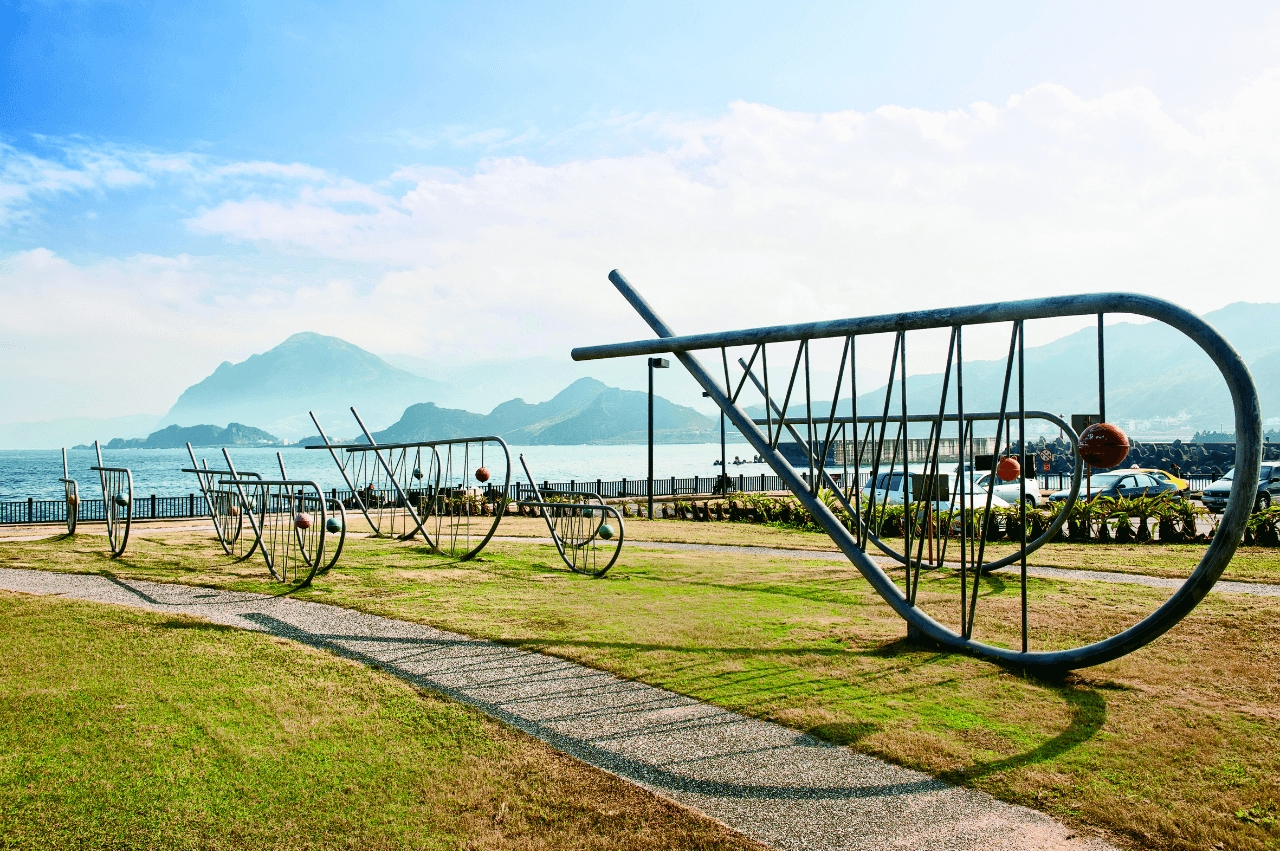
(34, 473)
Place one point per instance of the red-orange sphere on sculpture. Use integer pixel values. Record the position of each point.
(1008, 469)
(482, 474)
(1104, 445)
(303, 520)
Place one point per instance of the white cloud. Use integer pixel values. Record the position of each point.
(758, 216)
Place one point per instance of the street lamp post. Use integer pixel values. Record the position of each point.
(654, 363)
(724, 469)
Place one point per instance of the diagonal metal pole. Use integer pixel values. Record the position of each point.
(343, 471)
(408, 507)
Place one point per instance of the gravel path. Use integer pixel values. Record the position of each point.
(777, 786)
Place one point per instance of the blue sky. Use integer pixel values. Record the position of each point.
(195, 182)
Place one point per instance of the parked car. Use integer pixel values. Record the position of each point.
(1119, 484)
(1215, 496)
(1010, 492)
(1182, 485)
(889, 491)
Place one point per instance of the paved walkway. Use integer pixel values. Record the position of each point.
(773, 784)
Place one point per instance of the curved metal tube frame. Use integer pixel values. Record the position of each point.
(436, 500)
(331, 505)
(71, 493)
(292, 555)
(1248, 429)
(336, 509)
(581, 543)
(841, 494)
(219, 501)
(115, 482)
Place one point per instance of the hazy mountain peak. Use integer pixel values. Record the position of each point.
(275, 389)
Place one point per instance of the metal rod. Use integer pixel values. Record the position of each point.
(991, 478)
(1102, 375)
(808, 409)
(908, 514)
(649, 488)
(966, 510)
(978, 314)
(1022, 479)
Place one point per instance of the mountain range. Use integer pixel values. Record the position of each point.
(1158, 384)
(587, 411)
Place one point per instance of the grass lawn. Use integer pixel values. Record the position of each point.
(1251, 564)
(126, 729)
(1175, 746)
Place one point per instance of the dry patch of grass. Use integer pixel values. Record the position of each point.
(1176, 746)
(127, 729)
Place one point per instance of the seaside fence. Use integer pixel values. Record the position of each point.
(153, 507)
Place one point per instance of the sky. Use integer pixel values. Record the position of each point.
(183, 184)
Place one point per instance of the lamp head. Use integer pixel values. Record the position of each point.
(659, 363)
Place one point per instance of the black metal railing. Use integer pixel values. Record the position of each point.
(154, 507)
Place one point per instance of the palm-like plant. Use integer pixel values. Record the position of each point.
(1078, 521)
(1100, 511)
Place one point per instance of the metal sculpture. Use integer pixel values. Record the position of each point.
(117, 502)
(933, 506)
(289, 519)
(580, 526)
(334, 524)
(226, 509)
(72, 494)
(443, 489)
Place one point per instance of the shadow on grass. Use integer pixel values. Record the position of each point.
(1088, 714)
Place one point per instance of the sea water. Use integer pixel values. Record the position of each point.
(35, 473)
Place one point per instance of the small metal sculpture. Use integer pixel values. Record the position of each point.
(932, 508)
(72, 493)
(443, 489)
(289, 519)
(336, 524)
(225, 507)
(117, 502)
(579, 523)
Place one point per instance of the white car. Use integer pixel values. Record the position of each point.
(889, 491)
(1010, 492)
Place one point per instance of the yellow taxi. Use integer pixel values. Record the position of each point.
(1165, 476)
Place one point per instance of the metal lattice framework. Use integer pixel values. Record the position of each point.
(580, 526)
(289, 518)
(117, 502)
(443, 489)
(934, 512)
(226, 509)
(72, 495)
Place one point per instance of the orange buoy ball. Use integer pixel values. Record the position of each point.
(482, 474)
(234, 511)
(1008, 469)
(72, 499)
(303, 520)
(1104, 445)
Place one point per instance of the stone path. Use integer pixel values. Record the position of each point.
(780, 787)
